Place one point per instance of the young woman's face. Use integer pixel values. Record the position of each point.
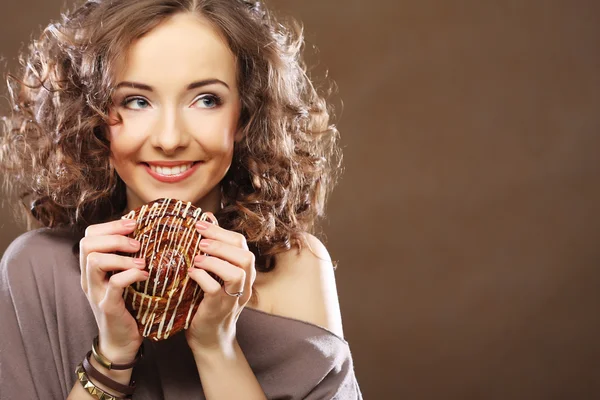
(179, 102)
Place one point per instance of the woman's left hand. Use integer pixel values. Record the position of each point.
(227, 256)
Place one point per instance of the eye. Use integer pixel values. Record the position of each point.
(208, 101)
(135, 103)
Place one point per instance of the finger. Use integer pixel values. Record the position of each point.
(118, 227)
(244, 259)
(207, 283)
(234, 278)
(99, 264)
(108, 244)
(116, 284)
(225, 251)
(113, 228)
(215, 232)
(103, 244)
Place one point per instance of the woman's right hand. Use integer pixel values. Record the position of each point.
(119, 338)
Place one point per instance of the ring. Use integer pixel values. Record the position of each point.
(236, 294)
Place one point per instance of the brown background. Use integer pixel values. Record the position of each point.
(466, 226)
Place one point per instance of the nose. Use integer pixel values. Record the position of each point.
(169, 133)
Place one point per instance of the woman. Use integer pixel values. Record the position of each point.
(206, 101)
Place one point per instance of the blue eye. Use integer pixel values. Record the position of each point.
(135, 103)
(208, 101)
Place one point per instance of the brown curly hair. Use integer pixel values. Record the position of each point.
(54, 153)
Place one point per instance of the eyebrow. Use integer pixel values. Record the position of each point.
(191, 86)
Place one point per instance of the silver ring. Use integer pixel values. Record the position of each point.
(236, 294)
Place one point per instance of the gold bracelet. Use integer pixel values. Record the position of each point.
(106, 363)
(96, 392)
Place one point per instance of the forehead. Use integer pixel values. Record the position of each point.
(181, 49)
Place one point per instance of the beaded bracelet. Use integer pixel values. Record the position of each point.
(94, 391)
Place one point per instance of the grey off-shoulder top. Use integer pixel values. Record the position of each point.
(47, 327)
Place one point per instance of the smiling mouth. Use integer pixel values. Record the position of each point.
(171, 171)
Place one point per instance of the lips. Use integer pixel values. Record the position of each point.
(169, 163)
(172, 178)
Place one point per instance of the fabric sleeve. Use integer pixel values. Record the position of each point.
(340, 381)
(294, 359)
(27, 366)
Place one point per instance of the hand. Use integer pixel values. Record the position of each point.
(228, 257)
(118, 332)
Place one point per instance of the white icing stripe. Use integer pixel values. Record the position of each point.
(163, 209)
(186, 238)
(197, 292)
(147, 240)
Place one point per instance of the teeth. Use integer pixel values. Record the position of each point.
(167, 171)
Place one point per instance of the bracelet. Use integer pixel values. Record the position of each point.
(108, 364)
(94, 391)
(105, 380)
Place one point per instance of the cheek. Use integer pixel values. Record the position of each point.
(123, 142)
(217, 134)
(220, 144)
(118, 143)
(225, 141)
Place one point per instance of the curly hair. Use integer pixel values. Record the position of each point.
(54, 153)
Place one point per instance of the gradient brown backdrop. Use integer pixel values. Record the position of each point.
(467, 223)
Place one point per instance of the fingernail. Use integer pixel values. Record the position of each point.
(205, 242)
(129, 223)
(202, 225)
(199, 258)
(134, 242)
(140, 261)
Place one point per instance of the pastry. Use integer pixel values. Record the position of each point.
(166, 302)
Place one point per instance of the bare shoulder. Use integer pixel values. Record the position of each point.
(303, 287)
